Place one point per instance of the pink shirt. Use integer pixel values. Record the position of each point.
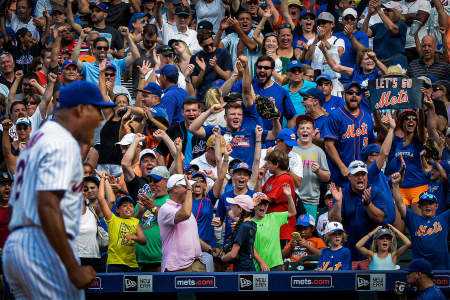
(180, 242)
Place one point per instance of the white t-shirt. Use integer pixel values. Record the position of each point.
(203, 165)
(318, 59)
(16, 24)
(189, 37)
(86, 241)
(51, 161)
(295, 164)
(212, 12)
(414, 7)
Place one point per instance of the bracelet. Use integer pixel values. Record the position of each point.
(141, 77)
(210, 250)
(258, 141)
(225, 160)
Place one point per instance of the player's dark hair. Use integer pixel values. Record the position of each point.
(279, 157)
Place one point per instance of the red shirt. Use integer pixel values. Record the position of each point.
(4, 220)
(273, 188)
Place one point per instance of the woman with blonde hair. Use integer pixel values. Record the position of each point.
(214, 96)
(383, 254)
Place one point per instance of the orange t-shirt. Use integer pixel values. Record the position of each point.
(281, 21)
(300, 252)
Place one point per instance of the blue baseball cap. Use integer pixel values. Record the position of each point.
(158, 112)
(110, 66)
(122, 199)
(433, 164)
(323, 76)
(217, 83)
(134, 17)
(305, 220)
(420, 265)
(294, 64)
(314, 92)
(241, 166)
(353, 83)
(169, 71)
(81, 92)
(307, 12)
(368, 150)
(428, 196)
(152, 88)
(182, 10)
(288, 136)
(188, 166)
(67, 63)
(100, 5)
(199, 173)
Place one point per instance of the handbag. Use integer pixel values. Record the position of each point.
(102, 235)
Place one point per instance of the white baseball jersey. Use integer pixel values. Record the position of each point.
(50, 161)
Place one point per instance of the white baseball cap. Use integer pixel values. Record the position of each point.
(357, 166)
(350, 11)
(396, 5)
(333, 227)
(177, 179)
(146, 152)
(25, 121)
(127, 139)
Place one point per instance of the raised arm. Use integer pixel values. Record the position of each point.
(387, 143)
(70, 19)
(104, 207)
(196, 126)
(292, 212)
(257, 33)
(335, 212)
(376, 214)
(14, 87)
(285, 13)
(333, 64)
(132, 46)
(10, 159)
(360, 244)
(127, 160)
(76, 50)
(248, 95)
(244, 38)
(257, 157)
(406, 243)
(185, 210)
(276, 128)
(396, 178)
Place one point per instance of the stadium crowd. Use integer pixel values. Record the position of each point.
(243, 136)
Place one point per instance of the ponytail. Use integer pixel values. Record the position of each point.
(244, 214)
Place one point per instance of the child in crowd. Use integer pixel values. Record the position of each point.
(383, 254)
(322, 221)
(124, 231)
(243, 236)
(336, 257)
(308, 243)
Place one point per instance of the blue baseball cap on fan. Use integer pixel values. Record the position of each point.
(217, 83)
(67, 63)
(368, 150)
(288, 136)
(169, 71)
(315, 93)
(294, 64)
(152, 88)
(100, 5)
(81, 92)
(428, 196)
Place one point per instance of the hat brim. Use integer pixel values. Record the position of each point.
(71, 64)
(156, 177)
(290, 143)
(304, 224)
(357, 170)
(182, 13)
(24, 123)
(335, 230)
(243, 169)
(104, 104)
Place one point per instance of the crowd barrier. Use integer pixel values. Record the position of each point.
(343, 281)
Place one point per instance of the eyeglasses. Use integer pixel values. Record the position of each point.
(411, 118)
(264, 67)
(26, 85)
(352, 92)
(427, 86)
(252, 2)
(183, 16)
(349, 18)
(438, 88)
(285, 25)
(110, 74)
(100, 48)
(295, 70)
(308, 17)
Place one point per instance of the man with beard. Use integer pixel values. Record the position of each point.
(242, 140)
(429, 63)
(193, 146)
(90, 71)
(145, 48)
(360, 208)
(210, 64)
(349, 129)
(240, 42)
(147, 161)
(263, 85)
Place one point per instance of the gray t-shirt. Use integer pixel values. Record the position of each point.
(309, 191)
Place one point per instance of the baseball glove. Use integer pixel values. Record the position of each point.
(266, 108)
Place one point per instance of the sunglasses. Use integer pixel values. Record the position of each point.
(252, 2)
(295, 70)
(143, 21)
(270, 34)
(206, 46)
(324, 83)
(183, 16)
(285, 25)
(411, 118)
(110, 74)
(349, 18)
(264, 68)
(438, 88)
(199, 179)
(352, 92)
(309, 76)
(100, 48)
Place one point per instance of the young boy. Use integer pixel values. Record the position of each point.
(322, 221)
(124, 231)
(336, 257)
(437, 182)
(315, 166)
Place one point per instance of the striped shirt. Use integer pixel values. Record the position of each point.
(50, 161)
(439, 69)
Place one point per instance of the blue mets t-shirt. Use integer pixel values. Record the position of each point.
(429, 238)
(335, 260)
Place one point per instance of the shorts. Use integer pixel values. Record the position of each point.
(411, 195)
(33, 268)
(360, 264)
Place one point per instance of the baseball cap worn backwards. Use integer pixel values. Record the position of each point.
(81, 92)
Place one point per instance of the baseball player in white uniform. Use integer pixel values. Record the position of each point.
(38, 257)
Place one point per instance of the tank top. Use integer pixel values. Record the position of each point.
(382, 263)
(109, 152)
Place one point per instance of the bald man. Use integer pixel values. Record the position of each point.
(429, 63)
